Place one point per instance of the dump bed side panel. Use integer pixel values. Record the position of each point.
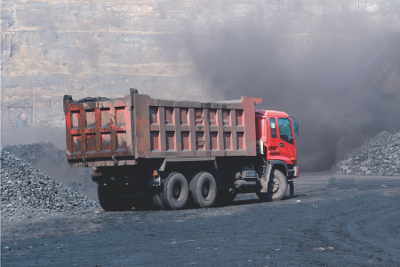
(182, 129)
(98, 130)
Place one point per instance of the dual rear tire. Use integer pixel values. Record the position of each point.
(204, 190)
(176, 191)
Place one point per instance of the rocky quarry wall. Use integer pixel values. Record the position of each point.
(299, 56)
(90, 48)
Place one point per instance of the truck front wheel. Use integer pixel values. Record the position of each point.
(277, 187)
(175, 192)
(204, 189)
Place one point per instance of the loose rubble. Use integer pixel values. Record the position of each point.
(380, 156)
(26, 191)
(53, 161)
(30, 152)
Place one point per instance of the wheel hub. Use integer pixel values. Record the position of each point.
(176, 191)
(205, 189)
(273, 186)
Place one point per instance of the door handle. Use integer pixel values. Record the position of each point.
(282, 145)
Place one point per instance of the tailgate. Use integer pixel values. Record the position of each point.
(98, 130)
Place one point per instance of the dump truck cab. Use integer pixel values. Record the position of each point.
(276, 134)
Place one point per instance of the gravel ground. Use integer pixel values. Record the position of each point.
(379, 156)
(27, 192)
(333, 220)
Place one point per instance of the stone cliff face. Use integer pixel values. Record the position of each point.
(89, 48)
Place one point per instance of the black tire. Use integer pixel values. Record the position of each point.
(204, 190)
(175, 192)
(155, 198)
(277, 187)
(224, 197)
(157, 201)
(109, 202)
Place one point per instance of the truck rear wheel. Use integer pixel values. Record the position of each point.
(204, 190)
(109, 202)
(277, 187)
(175, 193)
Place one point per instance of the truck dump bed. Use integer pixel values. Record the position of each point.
(107, 132)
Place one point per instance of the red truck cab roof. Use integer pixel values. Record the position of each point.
(272, 113)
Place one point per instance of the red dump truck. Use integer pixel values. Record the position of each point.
(166, 154)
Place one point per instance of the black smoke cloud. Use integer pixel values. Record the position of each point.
(318, 78)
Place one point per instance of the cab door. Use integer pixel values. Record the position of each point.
(287, 143)
(273, 150)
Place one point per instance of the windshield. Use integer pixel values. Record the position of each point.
(285, 130)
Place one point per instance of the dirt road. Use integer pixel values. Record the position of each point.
(334, 220)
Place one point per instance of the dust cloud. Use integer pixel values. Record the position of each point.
(318, 78)
(310, 59)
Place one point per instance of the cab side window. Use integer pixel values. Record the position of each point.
(285, 130)
(272, 123)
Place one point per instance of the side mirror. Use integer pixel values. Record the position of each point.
(296, 127)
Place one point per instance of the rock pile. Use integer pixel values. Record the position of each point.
(53, 161)
(379, 156)
(30, 152)
(26, 191)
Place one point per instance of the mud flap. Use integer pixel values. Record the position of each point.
(265, 178)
